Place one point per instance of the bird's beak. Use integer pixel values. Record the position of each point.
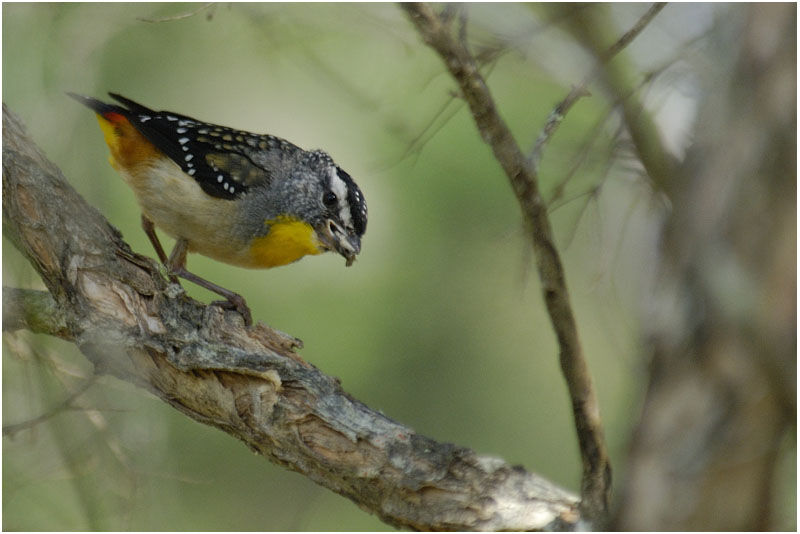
(334, 237)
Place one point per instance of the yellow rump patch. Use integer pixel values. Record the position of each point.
(111, 138)
(288, 240)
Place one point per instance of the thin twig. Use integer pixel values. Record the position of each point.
(592, 135)
(180, 16)
(438, 34)
(645, 134)
(580, 90)
(10, 430)
(578, 160)
(439, 120)
(634, 32)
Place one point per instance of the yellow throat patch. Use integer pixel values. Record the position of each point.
(288, 240)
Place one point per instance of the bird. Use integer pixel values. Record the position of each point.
(241, 198)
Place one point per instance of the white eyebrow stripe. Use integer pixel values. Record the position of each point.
(339, 187)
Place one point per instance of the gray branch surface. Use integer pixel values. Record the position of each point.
(249, 383)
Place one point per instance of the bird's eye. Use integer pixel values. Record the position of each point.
(329, 199)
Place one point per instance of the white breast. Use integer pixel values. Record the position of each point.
(178, 205)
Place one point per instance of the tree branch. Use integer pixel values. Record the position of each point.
(587, 25)
(248, 382)
(438, 34)
(33, 310)
(10, 430)
(579, 91)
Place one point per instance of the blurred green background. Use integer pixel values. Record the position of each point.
(439, 324)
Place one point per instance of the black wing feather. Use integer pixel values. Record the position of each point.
(220, 159)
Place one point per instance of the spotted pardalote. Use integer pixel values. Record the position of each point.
(241, 198)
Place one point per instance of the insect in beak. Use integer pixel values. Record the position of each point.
(334, 237)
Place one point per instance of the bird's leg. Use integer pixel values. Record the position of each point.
(177, 266)
(150, 229)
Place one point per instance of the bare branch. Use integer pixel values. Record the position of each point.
(66, 404)
(635, 30)
(587, 26)
(579, 91)
(248, 382)
(438, 34)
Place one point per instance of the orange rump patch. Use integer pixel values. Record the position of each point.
(128, 147)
